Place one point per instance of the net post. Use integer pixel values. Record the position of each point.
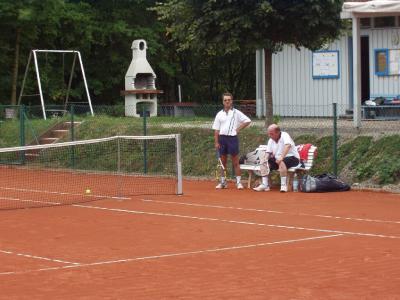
(119, 173)
(119, 155)
(179, 164)
(145, 141)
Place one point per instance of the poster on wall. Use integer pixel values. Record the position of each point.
(394, 62)
(325, 64)
(387, 62)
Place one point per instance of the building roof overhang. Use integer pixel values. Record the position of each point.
(367, 9)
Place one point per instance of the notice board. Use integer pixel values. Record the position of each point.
(325, 64)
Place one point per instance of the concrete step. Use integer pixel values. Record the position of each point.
(75, 122)
(48, 140)
(54, 134)
(67, 125)
(59, 133)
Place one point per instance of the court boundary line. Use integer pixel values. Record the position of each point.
(270, 211)
(234, 221)
(102, 197)
(177, 254)
(38, 257)
(30, 201)
(237, 222)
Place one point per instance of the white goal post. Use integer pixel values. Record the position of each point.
(34, 53)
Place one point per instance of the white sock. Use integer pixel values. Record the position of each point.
(222, 179)
(238, 178)
(283, 181)
(265, 180)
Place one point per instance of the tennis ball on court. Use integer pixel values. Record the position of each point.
(88, 191)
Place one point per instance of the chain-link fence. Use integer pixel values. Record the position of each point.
(326, 127)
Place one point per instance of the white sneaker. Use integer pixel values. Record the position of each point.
(222, 185)
(283, 188)
(261, 188)
(239, 186)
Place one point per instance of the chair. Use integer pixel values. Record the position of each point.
(300, 170)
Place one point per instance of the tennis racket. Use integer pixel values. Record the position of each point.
(220, 170)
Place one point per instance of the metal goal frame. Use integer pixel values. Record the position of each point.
(34, 53)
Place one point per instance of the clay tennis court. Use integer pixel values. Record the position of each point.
(206, 244)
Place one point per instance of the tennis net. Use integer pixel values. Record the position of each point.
(81, 171)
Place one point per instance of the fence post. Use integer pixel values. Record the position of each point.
(22, 125)
(22, 131)
(72, 136)
(334, 153)
(144, 141)
(72, 126)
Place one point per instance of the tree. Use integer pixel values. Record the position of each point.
(226, 26)
(24, 22)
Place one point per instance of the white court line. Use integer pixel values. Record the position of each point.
(38, 257)
(236, 222)
(61, 193)
(270, 211)
(28, 200)
(213, 250)
(186, 204)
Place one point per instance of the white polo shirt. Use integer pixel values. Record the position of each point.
(276, 148)
(227, 122)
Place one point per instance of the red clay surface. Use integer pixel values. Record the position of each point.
(206, 244)
(42, 187)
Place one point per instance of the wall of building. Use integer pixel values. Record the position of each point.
(296, 93)
(378, 39)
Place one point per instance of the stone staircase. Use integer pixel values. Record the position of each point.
(51, 136)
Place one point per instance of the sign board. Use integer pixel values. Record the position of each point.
(394, 62)
(325, 64)
(387, 62)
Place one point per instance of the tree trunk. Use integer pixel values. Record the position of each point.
(269, 117)
(15, 68)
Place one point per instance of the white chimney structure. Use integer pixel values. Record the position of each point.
(140, 83)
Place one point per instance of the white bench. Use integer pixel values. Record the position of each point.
(300, 170)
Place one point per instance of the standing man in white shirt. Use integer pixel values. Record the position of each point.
(227, 124)
(282, 154)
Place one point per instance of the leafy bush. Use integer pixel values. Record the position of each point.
(381, 162)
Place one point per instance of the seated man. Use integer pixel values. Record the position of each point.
(282, 154)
